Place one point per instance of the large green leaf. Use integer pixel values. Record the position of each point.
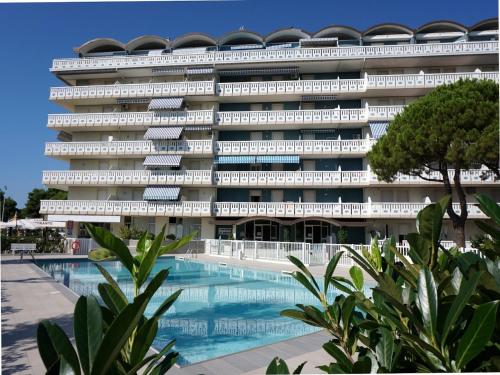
(176, 244)
(299, 368)
(149, 258)
(109, 241)
(142, 243)
(158, 357)
(301, 278)
(277, 367)
(385, 348)
(111, 281)
(478, 333)
(166, 364)
(467, 289)
(489, 207)
(330, 269)
(337, 353)
(357, 277)
(143, 340)
(68, 359)
(100, 254)
(427, 301)
(165, 305)
(118, 334)
(111, 298)
(87, 326)
(304, 270)
(46, 348)
(376, 256)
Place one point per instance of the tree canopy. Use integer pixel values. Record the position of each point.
(10, 207)
(32, 208)
(454, 127)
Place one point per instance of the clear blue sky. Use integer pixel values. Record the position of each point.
(34, 34)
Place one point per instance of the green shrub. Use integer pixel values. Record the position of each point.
(342, 235)
(434, 312)
(114, 338)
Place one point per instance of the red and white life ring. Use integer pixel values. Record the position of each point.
(75, 246)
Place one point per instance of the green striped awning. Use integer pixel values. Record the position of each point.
(284, 159)
(239, 159)
(161, 193)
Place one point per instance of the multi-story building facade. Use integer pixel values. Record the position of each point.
(253, 137)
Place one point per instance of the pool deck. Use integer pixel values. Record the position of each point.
(29, 295)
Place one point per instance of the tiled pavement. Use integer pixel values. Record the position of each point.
(29, 295)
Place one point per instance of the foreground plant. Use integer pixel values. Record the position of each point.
(434, 311)
(114, 338)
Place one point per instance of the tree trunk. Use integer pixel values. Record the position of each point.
(458, 221)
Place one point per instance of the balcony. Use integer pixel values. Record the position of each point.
(128, 149)
(125, 208)
(313, 117)
(341, 86)
(299, 147)
(389, 210)
(227, 58)
(283, 179)
(127, 177)
(129, 120)
(143, 90)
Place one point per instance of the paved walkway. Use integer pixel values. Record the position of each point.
(30, 295)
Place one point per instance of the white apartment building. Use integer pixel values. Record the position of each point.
(254, 137)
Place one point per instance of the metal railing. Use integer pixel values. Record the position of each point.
(222, 58)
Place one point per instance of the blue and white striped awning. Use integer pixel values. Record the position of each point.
(165, 103)
(260, 71)
(314, 131)
(161, 193)
(197, 128)
(378, 129)
(200, 70)
(285, 159)
(162, 161)
(239, 159)
(313, 42)
(132, 100)
(171, 132)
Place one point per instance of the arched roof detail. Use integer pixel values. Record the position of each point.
(488, 24)
(147, 42)
(100, 45)
(240, 37)
(387, 29)
(336, 31)
(440, 27)
(193, 40)
(286, 35)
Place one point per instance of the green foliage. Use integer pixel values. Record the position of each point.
(114, 338)
(436, 311)
(47, 241)
(10, 208)
(342, 235)
(32, 207)
(131, 233)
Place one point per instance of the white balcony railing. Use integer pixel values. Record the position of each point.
(127, 177)
(299, 147)
(337, 178)
(222, 58)
(128, 148)
(125, 208)
(339, 86)
(141, 90)
(329, 210)
(140, 120)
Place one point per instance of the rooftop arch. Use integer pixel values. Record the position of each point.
(488, 24)
(441, 27)
(193, 40)
(387, 29)
(289, 35)
(147, 42)
(337, 31)
(100, 45)
(240, 37)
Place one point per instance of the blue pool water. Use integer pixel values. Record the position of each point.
(222, 309)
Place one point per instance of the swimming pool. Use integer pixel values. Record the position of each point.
(222, 309)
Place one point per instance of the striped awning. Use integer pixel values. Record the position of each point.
(162, 161)
(200, 70)
(165, 103)
(246, 46)
(313, 42)
(315, 131)
(378, 129)
(317, 98)
(239, 159)
(285, 159)
(161, 193)
(260, 71)
(132, 100)
(166, 70)
(197, 128)
(171, 132)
